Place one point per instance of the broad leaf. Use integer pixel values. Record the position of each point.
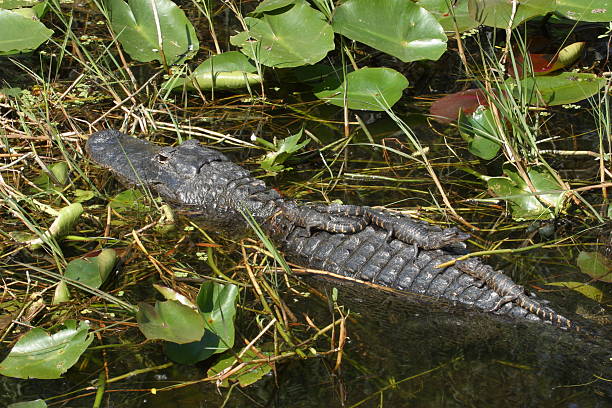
(544, 64)
(559, 89)
(497, 13)
(245, 376)
(587, 290)
(217, 304)
(366, 89)
(136, 27)
(273, 163)
(128, 199)
(171, 321)
(299, 35)
(19, 33)
(39, 354)
(523, 203)
(271, 5)
(29, 404)
(92, 271)
(447, 108)
(586, 10)
(398, 27)
(230, 70)
(480, 131)
(457, 14)
(596, 265)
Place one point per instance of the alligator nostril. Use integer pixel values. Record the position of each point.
(162, 158)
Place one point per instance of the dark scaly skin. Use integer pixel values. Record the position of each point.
(381, 250)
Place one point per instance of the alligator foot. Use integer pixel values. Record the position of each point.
(311, 217)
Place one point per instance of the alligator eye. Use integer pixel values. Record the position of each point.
(162, 158)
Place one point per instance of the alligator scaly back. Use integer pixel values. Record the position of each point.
(373, 246)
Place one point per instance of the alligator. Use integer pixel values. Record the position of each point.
(365, 244)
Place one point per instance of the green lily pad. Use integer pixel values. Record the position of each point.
(19, 33)
(134, 23)
(366, 89)
(299, 35)
(596, 265)
(29, 404)
(480, 131)
(587, 290)
(128, 199)
(39, 354)
(497, 13)
(447, 19)
(230, 70)
(271, 5)
(92, 271)
(245, 376)
(60, 172)
(217, 304)
(559, 89)
(586, 10)
(525, 205)
(283, 150)
(171, 321)
(398, 27)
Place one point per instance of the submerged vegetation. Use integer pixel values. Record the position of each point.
(491, 115)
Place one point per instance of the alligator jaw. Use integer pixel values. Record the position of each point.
(123, 154)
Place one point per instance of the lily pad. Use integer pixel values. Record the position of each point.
(586, 10)
(525, 205)
(585, 289)
(245, 376)
(230, 70)
(366, 89)
(92, 271)
(458, 14)
(559, 89)
(19, 33)
(497, 13)
(29, 404)
(39, 354)
(299, 35)
(480, 131)
(398, 27)
(217, 304)
(135, 25)
(447, 108)
(271, 5)
(171, 321)
(596, 265)
(128, 199)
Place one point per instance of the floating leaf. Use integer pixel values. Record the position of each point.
(217, 304)
(480, 131)
(39, 354)
(458, 14)
(171, 321)
(523, 203)
(299, 35)
(543, 64)
(559, 89)
(596, 265)
(271, 5)
(171, 294)
(136, 25)
(497, 13)
(29, 404)
(229, 70)
(19, 33)
(80, 196)
(366, 88)
(128, 199)
(273, 163)
(61, 293)
(92, 271)
(13, 4)
(59, 172)
(447, 108)
(586, 10)
(398, 27)
(64, 222)
(245, 376)
(587, 290)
